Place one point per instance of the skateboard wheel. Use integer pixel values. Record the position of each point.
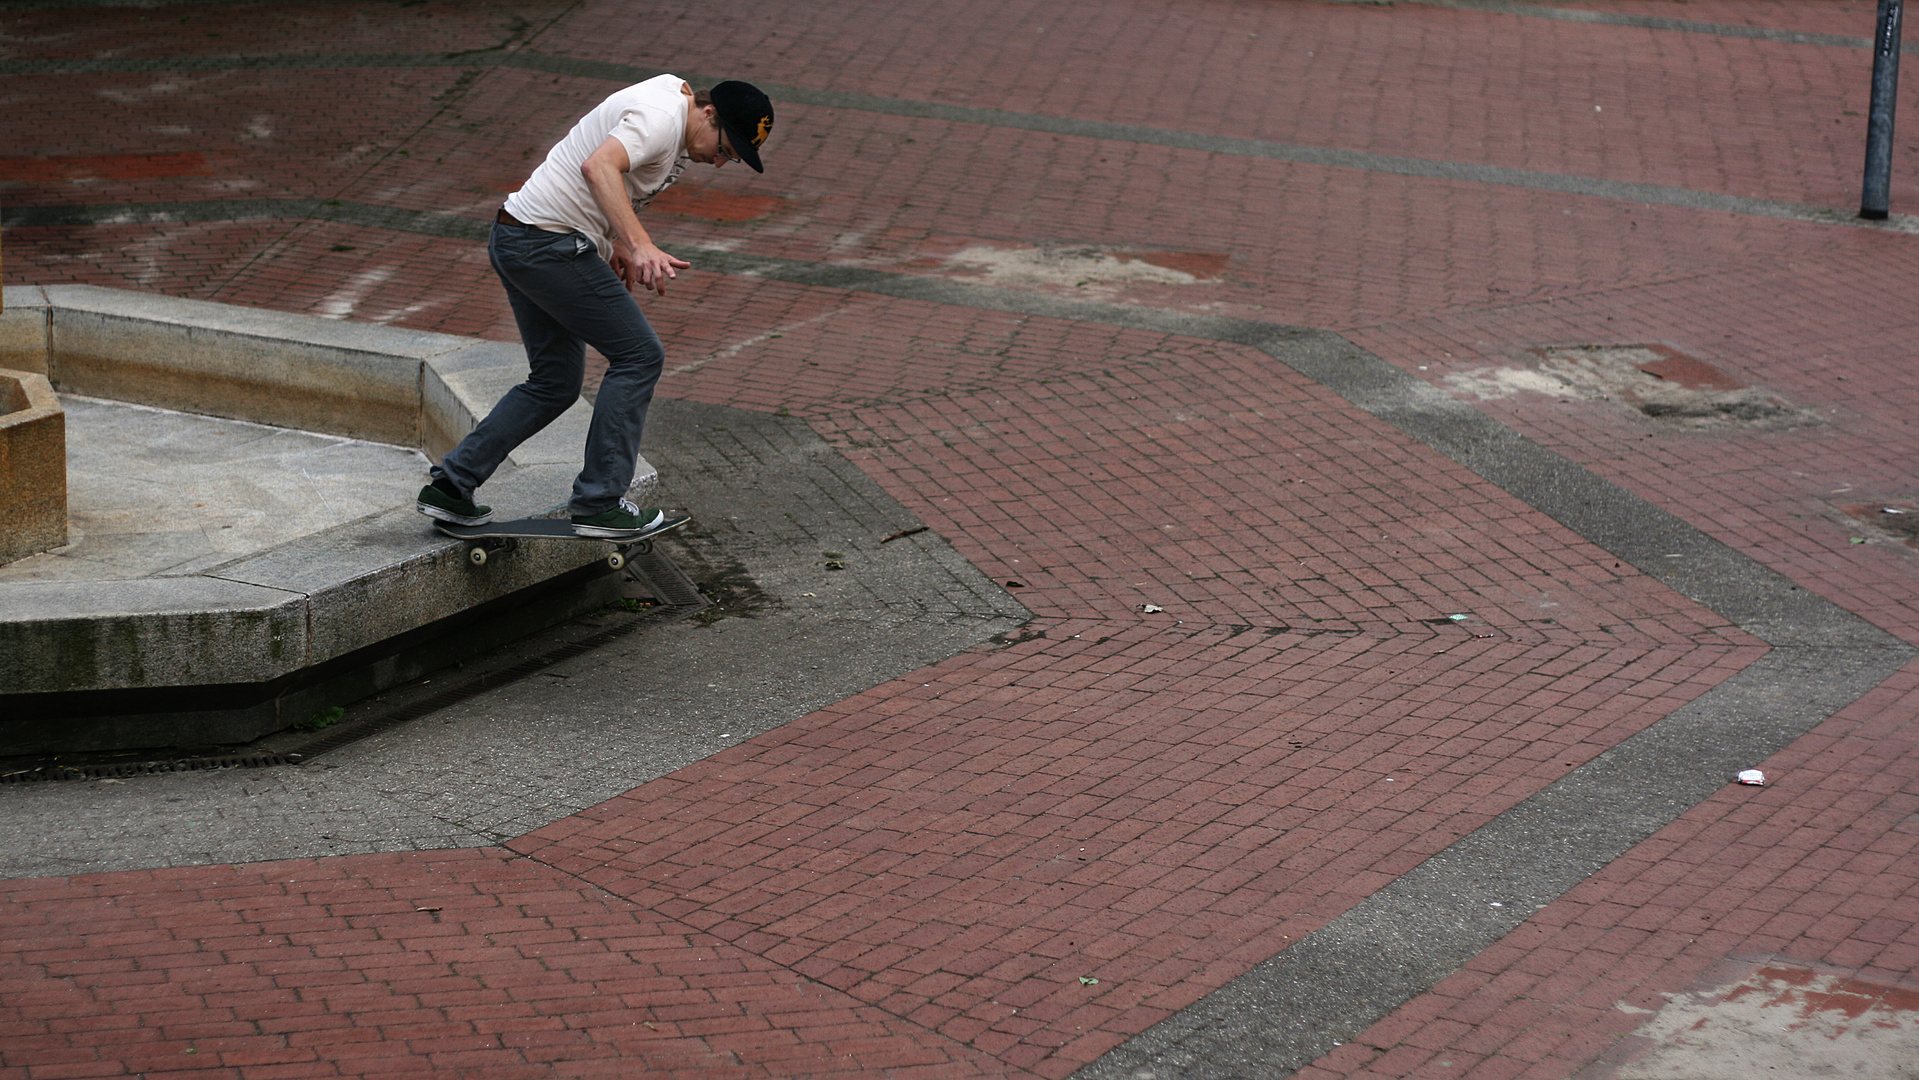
(644, 547)
(616, 560)
(476, 556)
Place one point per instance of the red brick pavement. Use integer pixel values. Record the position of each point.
(1838, 19)
(1854, 379)
(1818, 871)
(917, 881)
(458, 963)
(1141, 810)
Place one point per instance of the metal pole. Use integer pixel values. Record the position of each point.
(1875, 202)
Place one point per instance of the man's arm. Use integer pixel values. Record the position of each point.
(636, 258)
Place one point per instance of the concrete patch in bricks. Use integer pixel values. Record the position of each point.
(1753, 1018)
(1096, 271)
(1896, 519)
(1658, 383)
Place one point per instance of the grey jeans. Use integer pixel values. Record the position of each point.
(565, 297)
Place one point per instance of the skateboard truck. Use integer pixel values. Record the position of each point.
(482, 541)
(479, 551)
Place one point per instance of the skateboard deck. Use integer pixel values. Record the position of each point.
(483, 540)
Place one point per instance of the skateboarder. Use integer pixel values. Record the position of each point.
(570, 249)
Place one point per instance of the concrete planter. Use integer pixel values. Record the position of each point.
(230, 653)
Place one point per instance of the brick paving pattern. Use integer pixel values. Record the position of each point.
(1011, 862)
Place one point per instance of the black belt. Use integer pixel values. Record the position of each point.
(505, 218)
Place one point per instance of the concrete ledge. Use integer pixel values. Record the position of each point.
(386, 575)
(215, 713)
(296, 371)
(264, 618)
(62, 636)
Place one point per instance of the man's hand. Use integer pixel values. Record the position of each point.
(644, 266)
(639, 262)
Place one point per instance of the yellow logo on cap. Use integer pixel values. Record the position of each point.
(766, 128)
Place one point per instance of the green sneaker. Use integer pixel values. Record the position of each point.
(623, 522)
(435, 503)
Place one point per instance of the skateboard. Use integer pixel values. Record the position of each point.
(483, 540)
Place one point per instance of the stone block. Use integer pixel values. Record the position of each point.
(23, 329)
(33, 466)
(148, 633)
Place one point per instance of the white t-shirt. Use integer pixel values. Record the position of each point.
(649, 119)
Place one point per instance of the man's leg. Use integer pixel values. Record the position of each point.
(634, 360)
(585, 297)
(531, 263)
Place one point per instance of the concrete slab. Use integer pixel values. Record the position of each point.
(218, 547)
(154, 491)
(1756, 1018)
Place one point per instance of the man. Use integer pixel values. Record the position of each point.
(570, 249)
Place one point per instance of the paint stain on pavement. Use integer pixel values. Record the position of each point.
(103, 167)
(713, 204)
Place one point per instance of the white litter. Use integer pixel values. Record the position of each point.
(1753, 777)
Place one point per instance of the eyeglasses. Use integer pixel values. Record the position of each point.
(725, 151)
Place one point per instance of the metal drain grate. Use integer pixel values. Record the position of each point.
(108, 771)
(654, 570)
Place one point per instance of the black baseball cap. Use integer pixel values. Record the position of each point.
(747, 116)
